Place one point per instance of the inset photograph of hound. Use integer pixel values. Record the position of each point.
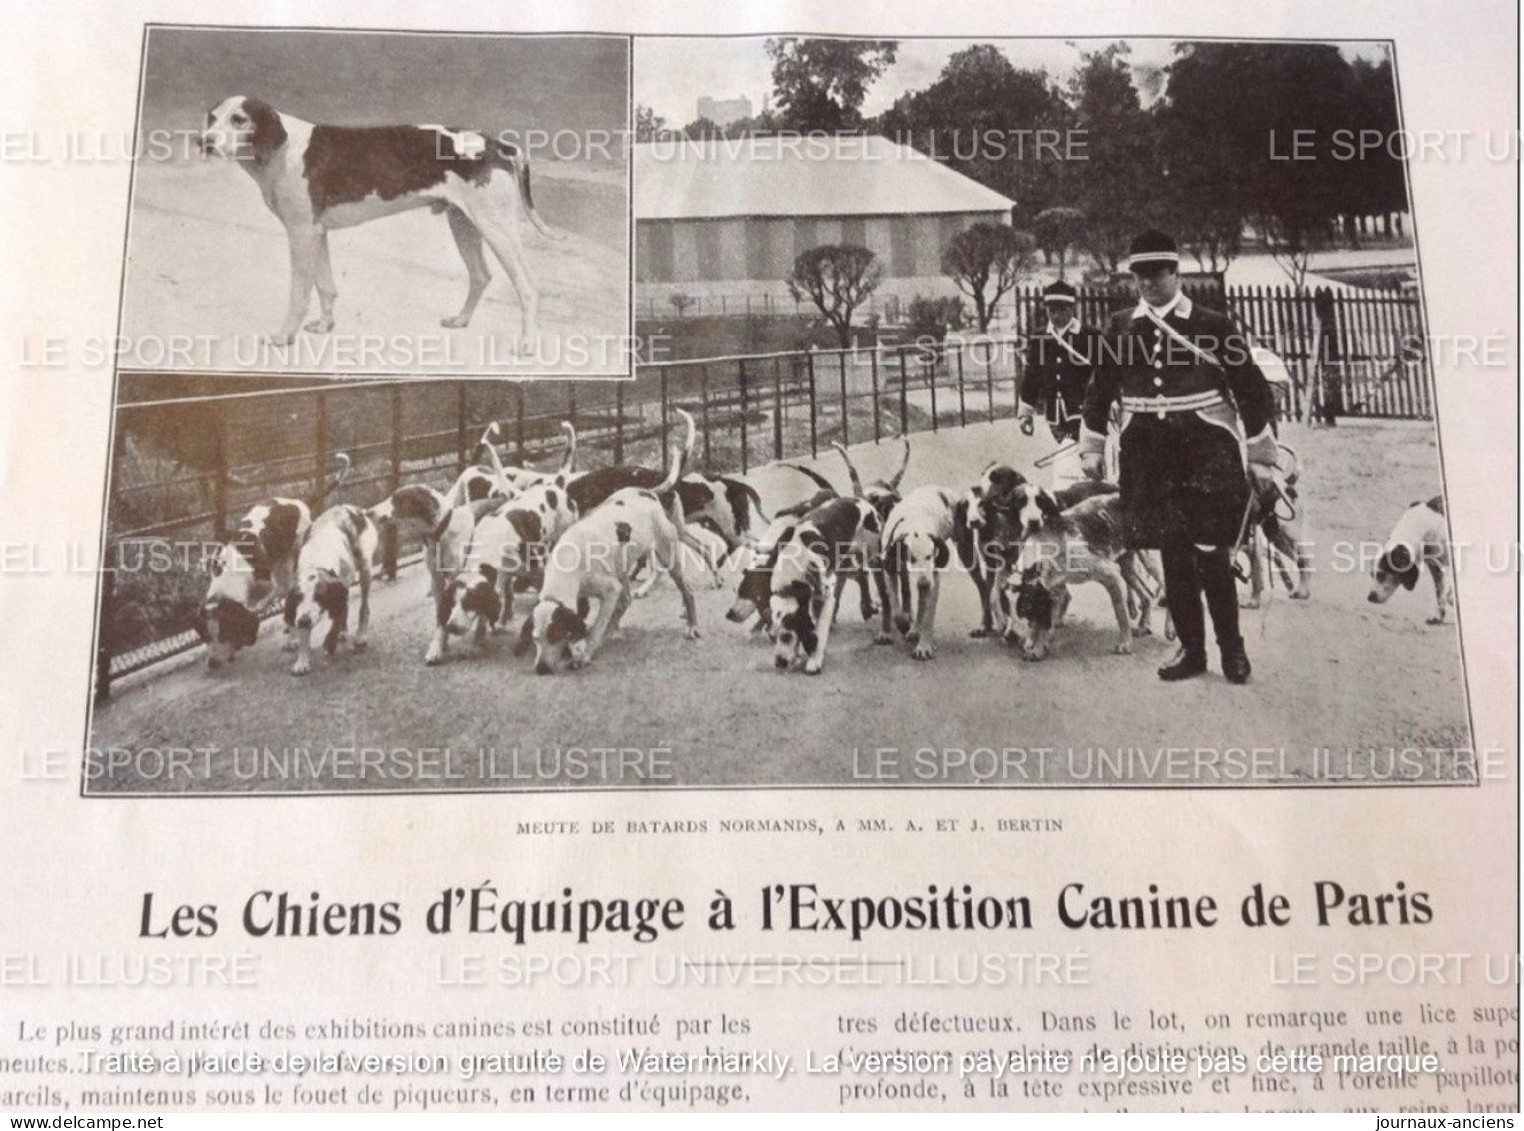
(353, 202)
(467, 567)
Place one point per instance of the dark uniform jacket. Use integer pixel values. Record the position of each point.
(1053, 381)
(1189, 419)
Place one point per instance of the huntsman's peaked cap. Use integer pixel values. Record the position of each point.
(1150, 247)
(1059, 292)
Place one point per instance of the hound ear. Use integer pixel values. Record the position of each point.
(1047, 503)
(269, 131)
(486, 602)
(941, 556)
(333, 597)
(244, 625)
(1410, 577)
(525, 642)
(566, 625)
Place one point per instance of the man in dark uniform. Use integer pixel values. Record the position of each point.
(1059, 363)
(1190, 395)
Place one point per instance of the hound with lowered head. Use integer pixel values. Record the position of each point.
(1082, 543)
(596, 559)
(834, 541)
(317, 178)
(508, 551)
(985, 533)
(916, 551)
(337, 555)
(1421, 537)
(254, 562)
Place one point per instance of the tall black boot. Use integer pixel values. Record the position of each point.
(1215, 569)
(1182, 588)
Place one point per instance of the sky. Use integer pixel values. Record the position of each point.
(672, 74)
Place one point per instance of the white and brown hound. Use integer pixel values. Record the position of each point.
(337, 554)
(728, 507)
(254, 561)
(1082, 543)
(984, 530)
(596, 559)
(317, 178)
(508, 551)
(1273, 535)
(917, 550)
(838, 539)
(1421, 537)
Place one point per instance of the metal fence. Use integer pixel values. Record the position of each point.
(184, 467)
(1353, 352)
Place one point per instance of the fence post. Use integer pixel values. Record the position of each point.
(809, 361)
(989, 379)
(962, 395)
(931, 385)
(741, 381)
(665, 372)
(394, 479)
(103, 646)
(461, 410)
(220, 483)
(842, 358)
(390, 534)
(877, 427)
(704, 412)
(777, 409)
(619, 423)
(904, 404)
(320, 442)
(521, 453)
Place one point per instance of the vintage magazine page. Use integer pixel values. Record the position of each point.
(726, 558)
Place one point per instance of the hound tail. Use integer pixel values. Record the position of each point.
(857, 482)
(517, 162)
(679, 455)
(820, 480)
(571, 447)
(488, 441)
(904, 463)
(346, 465)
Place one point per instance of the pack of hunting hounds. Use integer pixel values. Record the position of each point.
(586, 544)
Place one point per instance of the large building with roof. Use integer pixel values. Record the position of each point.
(738, 210)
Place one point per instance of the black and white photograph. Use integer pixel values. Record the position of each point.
(354, 202)
(1009, 416)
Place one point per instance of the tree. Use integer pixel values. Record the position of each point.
(649, 125)
(986, 119)
(1057, 229)
(1231, 111)
(985, 261)
(1116, 185)
(837, 278)
(820, 84)
(702, 129)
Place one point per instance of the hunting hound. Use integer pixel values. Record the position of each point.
(317, 178)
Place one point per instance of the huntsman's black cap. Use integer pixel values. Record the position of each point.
(1152, 247)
